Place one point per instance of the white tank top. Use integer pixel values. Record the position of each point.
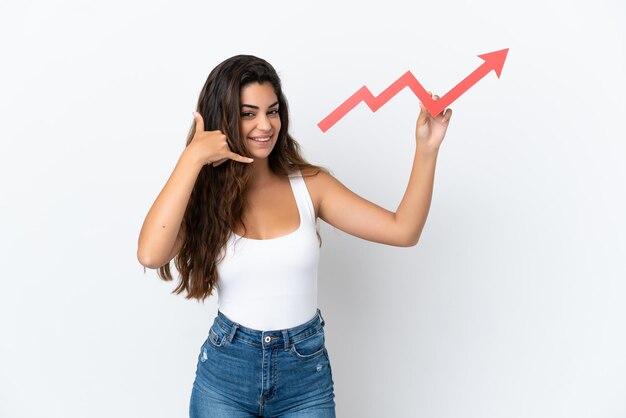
(271, 284)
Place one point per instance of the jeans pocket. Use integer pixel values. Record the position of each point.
(217, 337)
(310, 347)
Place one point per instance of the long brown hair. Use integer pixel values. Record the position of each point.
(216, 203)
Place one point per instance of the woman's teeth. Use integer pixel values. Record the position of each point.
(260, 138)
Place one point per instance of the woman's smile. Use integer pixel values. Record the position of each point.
(261, 139)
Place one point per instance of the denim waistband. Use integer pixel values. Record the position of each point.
(268, 339)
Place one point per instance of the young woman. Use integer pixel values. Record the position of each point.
(239, 214)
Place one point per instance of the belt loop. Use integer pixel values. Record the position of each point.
(319, 314)
(286, 339)
(233, 329)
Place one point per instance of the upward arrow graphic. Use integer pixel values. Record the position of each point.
(493, 61)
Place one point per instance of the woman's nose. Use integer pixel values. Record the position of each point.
(263, 123)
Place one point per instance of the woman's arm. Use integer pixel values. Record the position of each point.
(354, 215)
(159, 239)
(159, 234)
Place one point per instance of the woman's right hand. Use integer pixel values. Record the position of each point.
(211, 147)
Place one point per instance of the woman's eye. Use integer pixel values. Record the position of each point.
(251, 115)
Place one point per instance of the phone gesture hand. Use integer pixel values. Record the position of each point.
(211, 147)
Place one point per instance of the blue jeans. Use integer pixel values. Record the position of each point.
(244, 372)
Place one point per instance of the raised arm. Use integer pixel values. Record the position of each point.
(354, 215)
(159, 239)
(160, 230)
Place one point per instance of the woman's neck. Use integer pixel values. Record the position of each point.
(261, 173)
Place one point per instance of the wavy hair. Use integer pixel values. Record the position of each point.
(217, 200)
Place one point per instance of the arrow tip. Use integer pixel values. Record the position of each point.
(495, 60)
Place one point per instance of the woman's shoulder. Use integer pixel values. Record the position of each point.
(316, 180)
(312, 171)
(314, 175)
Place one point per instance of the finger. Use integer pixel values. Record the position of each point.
(239, 158)
(199, 122)
(423, 115)
(218, 162)
(435, 98)
(447, 115)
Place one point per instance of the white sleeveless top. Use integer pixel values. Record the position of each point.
(271, 284)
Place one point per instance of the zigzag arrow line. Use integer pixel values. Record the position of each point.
(493, 61)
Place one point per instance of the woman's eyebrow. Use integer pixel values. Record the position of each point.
(256, 107)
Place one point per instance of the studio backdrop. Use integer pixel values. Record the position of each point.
(511, 304)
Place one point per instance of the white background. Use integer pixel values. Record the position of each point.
(512, 303)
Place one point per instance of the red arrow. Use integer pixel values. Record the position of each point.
(493, 61)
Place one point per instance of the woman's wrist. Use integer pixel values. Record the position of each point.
(426, 152)
(188, 157)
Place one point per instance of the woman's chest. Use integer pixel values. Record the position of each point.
(269, 213)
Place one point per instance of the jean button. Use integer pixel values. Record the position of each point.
(268, 339)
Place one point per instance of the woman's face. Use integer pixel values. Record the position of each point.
(260, 120)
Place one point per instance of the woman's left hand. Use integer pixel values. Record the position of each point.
(430, 131)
